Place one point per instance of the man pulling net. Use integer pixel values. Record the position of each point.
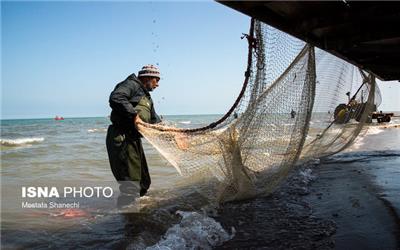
(131, 104)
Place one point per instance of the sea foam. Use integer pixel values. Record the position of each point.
(375, 130)
(97, 130)
(20, 141)
(195, 231)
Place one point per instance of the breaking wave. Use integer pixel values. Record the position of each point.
(20, 141)
(195, 231)
(97, 130)
(375, 130)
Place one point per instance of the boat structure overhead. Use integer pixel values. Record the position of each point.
(366, 34)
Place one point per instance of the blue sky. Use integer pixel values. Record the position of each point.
(64, 58)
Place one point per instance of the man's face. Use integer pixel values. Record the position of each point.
(152, 83)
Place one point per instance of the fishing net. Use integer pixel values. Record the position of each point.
(297, 103)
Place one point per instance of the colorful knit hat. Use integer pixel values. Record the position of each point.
(149, 70)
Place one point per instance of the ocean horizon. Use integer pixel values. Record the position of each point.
(396, 112)
(100, 116)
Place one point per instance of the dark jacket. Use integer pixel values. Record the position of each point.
(125, 96)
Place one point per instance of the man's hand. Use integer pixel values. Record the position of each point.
(182, 141)
(138, 121)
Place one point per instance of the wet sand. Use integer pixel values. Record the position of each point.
(347, 193)
(339, 206)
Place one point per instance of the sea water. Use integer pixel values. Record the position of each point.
(73, 151)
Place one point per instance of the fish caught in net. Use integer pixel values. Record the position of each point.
(297, 103)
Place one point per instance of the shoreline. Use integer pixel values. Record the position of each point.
(339, 207)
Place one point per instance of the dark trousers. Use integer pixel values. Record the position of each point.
(127, 159)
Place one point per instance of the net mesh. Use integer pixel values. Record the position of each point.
(297, 103)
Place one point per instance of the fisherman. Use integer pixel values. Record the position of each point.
(131, 104)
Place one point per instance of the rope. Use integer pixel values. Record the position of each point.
(252, 41)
